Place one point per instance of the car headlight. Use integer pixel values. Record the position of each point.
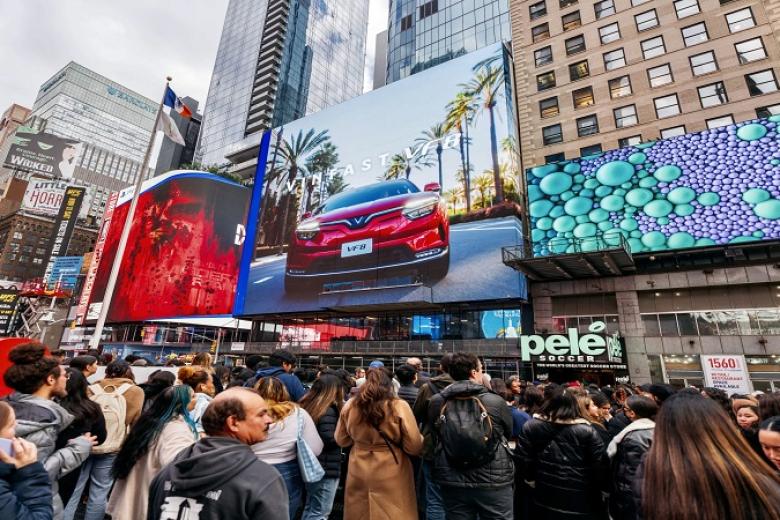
(307, 230)
(420, 208)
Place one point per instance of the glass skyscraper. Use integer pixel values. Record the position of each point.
(279, 60)
(423, 34)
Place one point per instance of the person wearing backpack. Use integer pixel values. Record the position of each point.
(121, 401)
(472, 462)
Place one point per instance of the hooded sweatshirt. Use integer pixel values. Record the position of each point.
(291, 383)
(218, 478)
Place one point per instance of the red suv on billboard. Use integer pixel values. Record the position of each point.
(387, 226)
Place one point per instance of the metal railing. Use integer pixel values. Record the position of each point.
(481, 347)
(559, 246)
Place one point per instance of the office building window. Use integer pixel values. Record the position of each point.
(666, 106)
(590, 150)
(609, 33)
(566, 3)
(768, 111)
(740, 20)
(660, 75)
(406, 23)
(537, 10)
(750, 50)
(543, 56)
(552, 134)
(713, 94)
(571, 21)
(629, 141)
(703, 63)
(587, 125)
(540, 32)
(717, 122)
(762, 82)
(685, 8)
(695, 34)
(672, 132)
(625, 116)
(582, 97)
(549, 107)
(614, 59)
(545, 81)
(554, 158)
(620, 87)
(575, 45)
(429, 8)
(604, 8)
(653, 47)
(635, 3)
(646, 20)
(579, 70)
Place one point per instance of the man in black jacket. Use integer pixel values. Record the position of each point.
(485, 490)
(219, 477)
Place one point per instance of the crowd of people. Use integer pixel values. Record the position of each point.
(276, 443)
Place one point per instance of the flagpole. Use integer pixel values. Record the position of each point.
(94, 341)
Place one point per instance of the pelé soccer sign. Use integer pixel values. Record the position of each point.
(597, 346)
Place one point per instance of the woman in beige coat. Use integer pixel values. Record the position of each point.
(160, 434)
(383, 434)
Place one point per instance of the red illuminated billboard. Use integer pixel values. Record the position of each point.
(183, 251)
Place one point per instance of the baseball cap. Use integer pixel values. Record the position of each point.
(376, 364)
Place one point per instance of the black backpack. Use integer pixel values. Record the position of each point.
(465, 433)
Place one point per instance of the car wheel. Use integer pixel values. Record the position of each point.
(438, 268)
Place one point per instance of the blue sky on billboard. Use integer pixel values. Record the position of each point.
(370, 129)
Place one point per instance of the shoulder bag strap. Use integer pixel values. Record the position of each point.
(388, 442)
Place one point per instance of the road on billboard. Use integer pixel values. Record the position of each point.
(476, 271)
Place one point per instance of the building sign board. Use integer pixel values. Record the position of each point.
(595, 350)
(727, 372)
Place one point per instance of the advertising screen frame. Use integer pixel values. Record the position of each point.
(43, 154)
(376, 272)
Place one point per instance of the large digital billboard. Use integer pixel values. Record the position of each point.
(720, 186)
(403, 195)
(183, 251)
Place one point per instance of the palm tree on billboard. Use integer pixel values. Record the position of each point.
(293, 153)
(401, 165)
(435, 133)
(460, 111)
(483, 184)
(486, 87)
(319, 163)
(453, 197)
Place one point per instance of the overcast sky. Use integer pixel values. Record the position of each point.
(135, 43)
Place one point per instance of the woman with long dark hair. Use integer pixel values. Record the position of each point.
(383, 434)
(87, 417)
(155, 439)
(280, 447)
(699, 466)
(769, 437)
(562, 457)
(158, 381)
(324, 402)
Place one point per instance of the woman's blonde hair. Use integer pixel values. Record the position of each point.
(275, 393)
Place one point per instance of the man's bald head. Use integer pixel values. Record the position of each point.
(415, 362)
(238, 413)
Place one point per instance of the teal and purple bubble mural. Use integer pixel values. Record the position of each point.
(720, 186)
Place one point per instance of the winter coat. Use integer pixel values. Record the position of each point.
(96, 427)
(626, 452)
(218, 478)
(497, 473)
(134, 397)
(380, 478)
(566, 463)
(25, 494)
(330, 457)
(40, 421)
(408, 394)
(427, 391)
(291, 383)
(130, 495)
(617, 423)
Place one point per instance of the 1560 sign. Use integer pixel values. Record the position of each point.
(575, 348)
